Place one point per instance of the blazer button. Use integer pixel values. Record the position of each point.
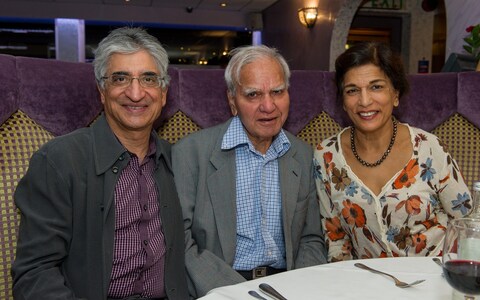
(115, 170)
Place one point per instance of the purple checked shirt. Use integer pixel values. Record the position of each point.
(139, 249)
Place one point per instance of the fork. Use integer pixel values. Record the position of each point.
(398, 282)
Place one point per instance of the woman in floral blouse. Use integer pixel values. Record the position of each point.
(386, 189)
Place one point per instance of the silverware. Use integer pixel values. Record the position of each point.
(266, 288)
(398, 283)
(256, 295)
(438, 261)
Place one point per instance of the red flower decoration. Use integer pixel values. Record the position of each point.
(472, 41)
(353, 214)
(419, 242)
(412, 205)
(407, 177)
(334, 228)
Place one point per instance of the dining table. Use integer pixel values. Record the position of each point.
(342, 280)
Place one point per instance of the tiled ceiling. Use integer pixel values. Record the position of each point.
(193, 28)
(245, 6)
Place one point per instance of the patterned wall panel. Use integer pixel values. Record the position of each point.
(463, 141)
(178, 126)
(20, 137)
(320, 128)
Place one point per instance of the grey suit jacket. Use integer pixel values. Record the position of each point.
(66, 237)
(205, 180)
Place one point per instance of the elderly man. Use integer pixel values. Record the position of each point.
(100, 214)
(246, 186)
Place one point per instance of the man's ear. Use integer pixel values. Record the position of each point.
(231, 103)
(164, 96)
(102, 93)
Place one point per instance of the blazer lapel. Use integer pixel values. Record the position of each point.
(290, 171)
(222, 190)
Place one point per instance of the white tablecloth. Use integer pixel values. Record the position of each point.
(342, 280)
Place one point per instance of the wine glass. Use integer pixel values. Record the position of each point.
(461, 256)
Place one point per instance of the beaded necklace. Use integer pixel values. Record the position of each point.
(384, 156)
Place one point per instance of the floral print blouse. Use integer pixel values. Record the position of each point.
(408, 217)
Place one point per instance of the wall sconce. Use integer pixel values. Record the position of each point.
(308, 16)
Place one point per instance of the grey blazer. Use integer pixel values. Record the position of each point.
(205, 180)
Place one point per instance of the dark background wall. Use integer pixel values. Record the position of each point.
(305, 48)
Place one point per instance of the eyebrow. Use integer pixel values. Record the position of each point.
(280, 87)
(370, 83)
(250, 90)
(120, 73)
(129, 74)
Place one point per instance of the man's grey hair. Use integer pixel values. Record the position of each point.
(127, 40)
(246, 54)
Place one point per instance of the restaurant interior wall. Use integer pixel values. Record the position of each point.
(460, 15)
(318, 47)
(304, 48)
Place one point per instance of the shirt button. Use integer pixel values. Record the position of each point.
(115, 170)
(145, 207)
(145, 242)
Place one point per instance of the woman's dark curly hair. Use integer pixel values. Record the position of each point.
(379, 54)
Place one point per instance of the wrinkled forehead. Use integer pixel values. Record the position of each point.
(263, 74)
(138, 62)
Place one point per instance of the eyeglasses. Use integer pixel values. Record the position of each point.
(124, 80)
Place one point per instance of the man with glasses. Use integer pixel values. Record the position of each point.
(100, 214)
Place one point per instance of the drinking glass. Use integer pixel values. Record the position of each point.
(461, 256)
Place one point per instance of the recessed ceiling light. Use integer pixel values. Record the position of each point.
(223, 4)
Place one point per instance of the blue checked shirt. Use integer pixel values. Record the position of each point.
(260, 240)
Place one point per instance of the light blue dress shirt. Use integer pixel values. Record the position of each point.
(260, 240)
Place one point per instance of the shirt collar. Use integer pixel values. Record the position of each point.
(108, 150)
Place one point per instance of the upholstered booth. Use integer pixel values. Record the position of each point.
(41, 99)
